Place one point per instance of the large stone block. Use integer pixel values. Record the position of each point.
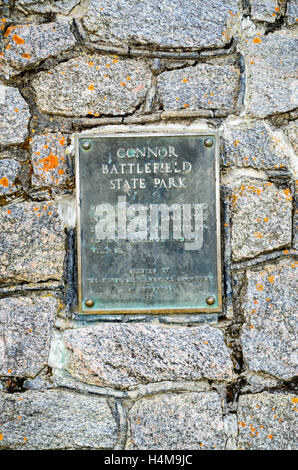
(261, 218)
(271, 70)
(25, 334)
(45, 6)
(205, 86)
(49, 156)
(179, 23)
(55, 419)
(269, 335)
(190, 421)
(93, 85)
(253, 144)
(266, 10)
(292, 12)
(120, 355)
(26, 45)
(31, 242)
(14, 116)
(267, 421)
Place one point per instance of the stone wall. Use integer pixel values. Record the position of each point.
(148, 382)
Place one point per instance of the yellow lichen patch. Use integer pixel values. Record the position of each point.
(91, 87)
(256, 40)
(271, 279)
(1, 437)
(294, 400)
(260, 287)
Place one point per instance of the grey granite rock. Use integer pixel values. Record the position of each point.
(124, 355)
(26, 45)
(292, 12)
(271, 71)
(45, 6)
(55, 419)
(49, 157)
(25, 334)
(205, 86)
(269, 336)
(31, 242)
(191, 421)
(9, 173)
(266, 10)
(14, 116)
(261, 218)
(162, 24)
(267, 421)
(93, 85)
(291, 131)
(253, 144)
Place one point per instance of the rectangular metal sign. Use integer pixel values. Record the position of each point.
(148, 223)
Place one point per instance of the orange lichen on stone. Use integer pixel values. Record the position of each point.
(50, 162)
(17, 39)
(26, 56)
(186, 105)
(9, 30)
(4, 182)
(271, 279)
(62, 141)
(91, 87)
(257, 40)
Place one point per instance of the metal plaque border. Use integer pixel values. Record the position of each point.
(151, 133)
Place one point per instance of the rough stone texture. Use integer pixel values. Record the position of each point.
(31, 242)
(14, 116)
(253, 144)
(49, 160)
(266, 10)
(119, 355)
(190, 421)
(270, 334)
(180, 23)
(26, 45)
(9, 173)
(203, 86)
(93, 85)
(291, 131)
(55, 419)
(261, 218)
(271, 69)
(295, 218)
(292, 12)
(46, 6)
(268, 421)
(25, 334)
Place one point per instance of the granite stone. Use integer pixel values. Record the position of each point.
(93, 85)
(271, 73)
(269, 335)
(26, 45)
(9, 174)
(266, 10)
(261, 218)
(267, 421)
(191, 421)
(292, 12)
(162, 24)
(206, 86)
(45, 6)
(14, 116)
(124, 355)
(25, 334)
(291, 132)
(31, 242)
(55, 419)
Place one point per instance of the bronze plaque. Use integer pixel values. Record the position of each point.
(148, 223)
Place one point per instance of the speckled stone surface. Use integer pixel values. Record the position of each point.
(180, 23)
(271, 70)
(291, 132)
(261, 218)
(26, 45)
(14, 116)
(50, 161)
(25, 334)
(56, 419)
(269, 336)
(93, 85)
(292, 12)
(268, 421)
(9, 173)
(191, 421)
(31, 242)
(266, 10)
(120, 355)
(46, 6)
(205, 86)
(253, 144)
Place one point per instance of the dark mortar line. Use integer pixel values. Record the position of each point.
(264, 259)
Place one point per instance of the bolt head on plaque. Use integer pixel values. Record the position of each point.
(210, 300)
(208, 142)
(89, 302)
(86, 145)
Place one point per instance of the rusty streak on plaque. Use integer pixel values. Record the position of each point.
(148, 223)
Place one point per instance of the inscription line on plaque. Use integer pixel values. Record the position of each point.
(148, 223)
